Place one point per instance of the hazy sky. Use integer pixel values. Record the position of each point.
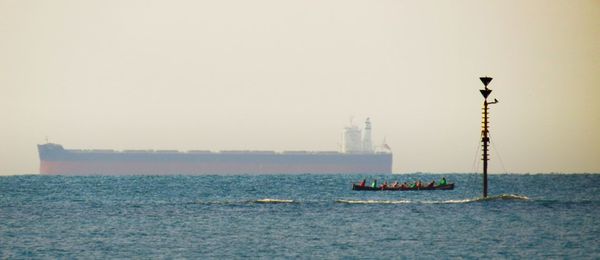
(288, 75)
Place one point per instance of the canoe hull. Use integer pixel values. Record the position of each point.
(449, 186)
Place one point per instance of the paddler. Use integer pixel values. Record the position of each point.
(362, 183)
(374, 183)
(384, 185)
(431, 184)
(443, 181)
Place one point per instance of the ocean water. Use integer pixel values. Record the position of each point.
(298, 216)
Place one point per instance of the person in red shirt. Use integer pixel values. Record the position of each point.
(362, 183)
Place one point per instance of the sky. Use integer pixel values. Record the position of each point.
(290, 75)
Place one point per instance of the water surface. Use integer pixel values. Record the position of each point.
(314, 216)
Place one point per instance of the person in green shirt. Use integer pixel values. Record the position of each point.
(374, 183)
(443, 181)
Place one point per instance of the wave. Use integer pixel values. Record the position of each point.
(373, 201)
(510, 197)
(514, 197)
(273, 201)
(502, 197)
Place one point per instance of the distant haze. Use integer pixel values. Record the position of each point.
(289, 75)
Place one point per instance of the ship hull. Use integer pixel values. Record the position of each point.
(54, 160)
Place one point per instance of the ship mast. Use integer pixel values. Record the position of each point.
(485, 134)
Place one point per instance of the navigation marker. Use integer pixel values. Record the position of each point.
(486, 80)
(485, 137)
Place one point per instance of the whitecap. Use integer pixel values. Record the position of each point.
(273, 201)
(373, 201)
(515, 197)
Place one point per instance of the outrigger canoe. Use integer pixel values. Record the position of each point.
(449, 186)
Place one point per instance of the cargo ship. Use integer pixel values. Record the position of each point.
(357, 155)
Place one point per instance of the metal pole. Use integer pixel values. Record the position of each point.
(485, 138)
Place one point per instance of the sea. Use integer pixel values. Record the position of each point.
(535, 216)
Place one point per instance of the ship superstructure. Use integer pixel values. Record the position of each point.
(357, 156)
